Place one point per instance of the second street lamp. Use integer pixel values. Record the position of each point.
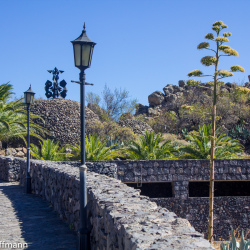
(28, 100)
(83, 49)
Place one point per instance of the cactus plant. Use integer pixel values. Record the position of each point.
(234, 245)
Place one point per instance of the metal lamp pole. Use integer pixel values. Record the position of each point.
(83, 49)
(83, 232)
(28, 98)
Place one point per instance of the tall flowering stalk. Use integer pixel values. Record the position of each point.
(219, 51)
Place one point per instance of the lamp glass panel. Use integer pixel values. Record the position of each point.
(86, 48)
(28, 97)
(90, 57)
(31, 98)
(25, 97)
(77, 54)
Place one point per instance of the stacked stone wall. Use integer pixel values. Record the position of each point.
(119, 217)
(229, 211)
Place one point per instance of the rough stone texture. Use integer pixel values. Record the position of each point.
(100, 167)
(16, 152)
(228, 211)
(137, 126)
(9, 168)
(172, 93)
(234, 211)
(156, 98)
(182, 83)
(119, 217)
(141, 109)
(62, 119)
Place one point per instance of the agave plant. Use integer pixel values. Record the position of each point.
(200, 145)
(234, 245)
(114, 143)
(49, 151)
(240, 132)
(95, 150)
(149, 147)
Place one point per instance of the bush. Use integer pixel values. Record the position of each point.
(112, 129)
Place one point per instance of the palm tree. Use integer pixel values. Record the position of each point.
(13, 118)
(48, 151)
(95, 150)
(200, 145)
(5, 92)
(149, 148)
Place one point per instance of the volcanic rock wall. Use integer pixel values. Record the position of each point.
(62, 119)
(119, 217)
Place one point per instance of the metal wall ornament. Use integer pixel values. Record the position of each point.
(53, 89)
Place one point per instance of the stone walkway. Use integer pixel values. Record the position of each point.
(27, 219)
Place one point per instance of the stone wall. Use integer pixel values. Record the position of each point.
(61, 117)
(228, 210)
(16, 152)
(181, 172)
(119, 217)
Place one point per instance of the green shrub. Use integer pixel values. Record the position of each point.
(49, 151)
(149, 147)
(95, 150)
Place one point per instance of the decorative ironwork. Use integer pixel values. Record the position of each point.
(54, 89)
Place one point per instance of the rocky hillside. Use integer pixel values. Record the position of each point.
(174, 110)
(62, 120)
(180, 109)
(168, 99)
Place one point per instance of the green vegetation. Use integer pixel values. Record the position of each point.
(200, 145)
(219, 51)
(48, 151)
(148, 147)
(13, 118)
(241, 133)
(112, 129)
(95, 150)
(234, 245)
(115, 103)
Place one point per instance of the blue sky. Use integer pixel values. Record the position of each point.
(142, 45)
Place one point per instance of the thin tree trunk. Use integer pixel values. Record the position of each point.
(211, 186)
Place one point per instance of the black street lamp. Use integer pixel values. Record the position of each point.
(28, 99)
(83, 49)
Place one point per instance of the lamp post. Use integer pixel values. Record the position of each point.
(28, 99)
(83, 49)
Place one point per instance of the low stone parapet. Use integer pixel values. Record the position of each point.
(119, 217)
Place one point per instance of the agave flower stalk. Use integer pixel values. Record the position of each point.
(219, 51)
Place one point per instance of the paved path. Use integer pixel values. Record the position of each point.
(26, 218)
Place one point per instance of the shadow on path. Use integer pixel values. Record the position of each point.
(40, 226)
